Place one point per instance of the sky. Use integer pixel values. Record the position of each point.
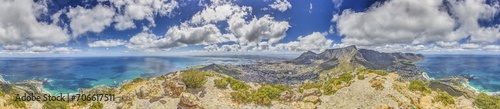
(165, 27)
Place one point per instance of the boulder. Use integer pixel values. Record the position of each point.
(297, 97)
(189, 101)
(174, 89)
(303, 105)
(312, 92)
(286, 96)
(312, 99)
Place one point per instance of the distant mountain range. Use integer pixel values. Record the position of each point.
(329, 63)
(353, 57)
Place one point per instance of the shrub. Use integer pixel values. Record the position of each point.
(2, 94)
(418, 85)
(56, 105)
(346, 77)
(484, 101)
(221, 83)
(241, 96)
(328, 89)
(445, 98)
(306, 86)
(237, 85)
(361, 77)
(378, 72)
(193, 78)
(96, 105)
(137, 80)
(272, 91)
(261, 97)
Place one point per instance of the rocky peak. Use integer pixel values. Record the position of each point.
(339, 53)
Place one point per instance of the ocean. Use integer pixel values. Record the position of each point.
(67, 74)
(483, 70)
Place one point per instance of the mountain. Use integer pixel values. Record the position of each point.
(352, 57)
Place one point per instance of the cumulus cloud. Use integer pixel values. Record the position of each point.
(397, 21)
(419, 22)
(258, 29)
(26, 30)
(314, 41)
(281, 5)
(90, 20)
(178, 36)
(216, 13)
(130, 10)
(108, 43)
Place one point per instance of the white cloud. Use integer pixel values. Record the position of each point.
(468, 12)
(397, 21)
(281, 5)
(179, 36)
(447, 44)
(130, 10)
(314, 41)
(256, 30)
(90, 20)
(216, 13)
(310, 7)
(492, 47)
(16, 49)
(108, 43)
(19, 25)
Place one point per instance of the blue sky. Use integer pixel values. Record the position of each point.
(162, 27)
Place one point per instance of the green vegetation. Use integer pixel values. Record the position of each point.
(56, 105)
(96, 105)
(137, 80)
(485, 101)
(361, 77)
(378, 72)
(237, 85)
(306, 86)
(2, 94)
(262, 96)
(329, 85)
(82, 102)
(16, 104)
(444, 97)
(194, 78)
(221, 83)
(418, 85)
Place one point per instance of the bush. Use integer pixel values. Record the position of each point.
(484, 101)
(237, 85)
(137, 80)
(272, 91)
(328, 89)
(221, 83)
(262, 96)
(418, 85)
(56, 105)
(193, 78)
(306, 86)
(2, 94)
(361, 77)
(346, 77)
(96, 105)
(445, 98)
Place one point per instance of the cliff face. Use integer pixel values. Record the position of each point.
(350, 56)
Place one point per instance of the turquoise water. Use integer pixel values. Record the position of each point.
(66, 75)
(485, 69)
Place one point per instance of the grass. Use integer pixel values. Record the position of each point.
(193, 78)
(96, 105)
(306, 86)
(221, 83)
(444, 97)
(16, 104)
(56, 105)
(262, 96)
(237, 85)
(418, 85)
(484, 101)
